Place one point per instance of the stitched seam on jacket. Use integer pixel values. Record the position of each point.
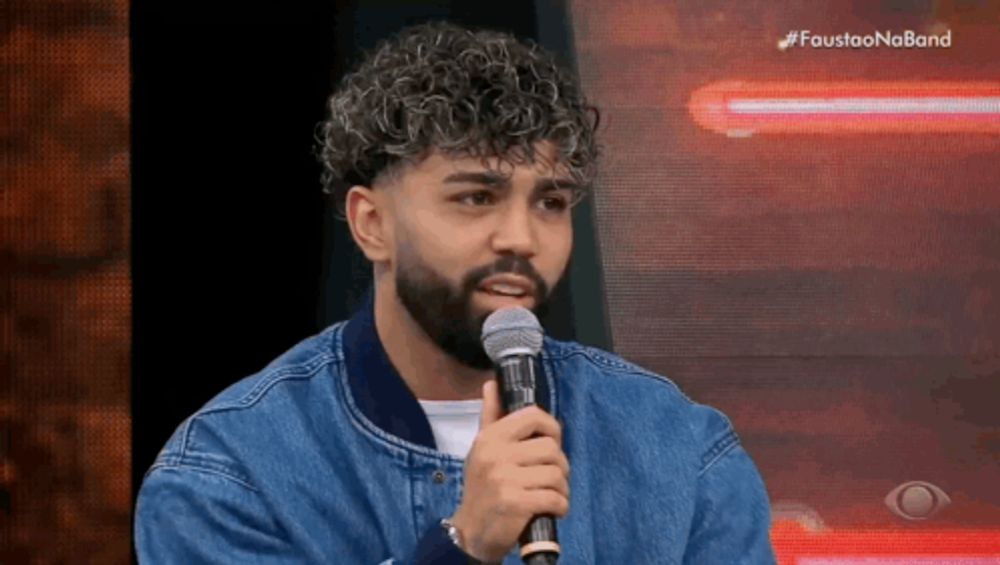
(304, 370)
(270, 380)
(719, 449)
(623, 368)
(208, 469)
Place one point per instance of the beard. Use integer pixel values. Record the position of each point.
(445, 312)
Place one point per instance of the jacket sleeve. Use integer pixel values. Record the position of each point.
(732, 515)
(187, 514)
(194, 515)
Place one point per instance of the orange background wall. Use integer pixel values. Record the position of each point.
(65, 290)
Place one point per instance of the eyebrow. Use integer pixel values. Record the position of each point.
(487, 178)
(500, 182)
(549, 184)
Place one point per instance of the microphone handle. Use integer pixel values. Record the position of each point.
(516, 376)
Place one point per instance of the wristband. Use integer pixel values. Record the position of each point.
(453, 533)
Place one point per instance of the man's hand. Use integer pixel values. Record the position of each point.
(515, 470)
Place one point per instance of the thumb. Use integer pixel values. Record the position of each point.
(492, 410)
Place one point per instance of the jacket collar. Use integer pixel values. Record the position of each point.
(380, 392)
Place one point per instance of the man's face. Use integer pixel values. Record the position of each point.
(471, 238)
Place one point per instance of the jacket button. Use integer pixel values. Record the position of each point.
(438, 477)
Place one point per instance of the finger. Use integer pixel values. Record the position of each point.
(528, 422)
(546, 501)
(492, 411)
(541, 451)
(544, 477)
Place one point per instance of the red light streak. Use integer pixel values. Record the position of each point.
(740, 109)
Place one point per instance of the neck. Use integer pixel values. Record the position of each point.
(429, 372)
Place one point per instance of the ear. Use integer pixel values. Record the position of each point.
(366, 215)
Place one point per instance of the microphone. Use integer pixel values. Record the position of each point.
(512, 337)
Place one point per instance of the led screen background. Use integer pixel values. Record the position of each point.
(837, 294)
(65, 289)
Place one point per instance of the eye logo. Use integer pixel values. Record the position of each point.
(916, 500)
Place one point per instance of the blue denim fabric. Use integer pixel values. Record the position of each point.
(289, 466)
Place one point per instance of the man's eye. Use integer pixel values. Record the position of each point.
(555, 204)
(477, 198)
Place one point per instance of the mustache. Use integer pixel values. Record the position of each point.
(508, 264)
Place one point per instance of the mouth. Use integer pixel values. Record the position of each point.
(508, 286)
(494, 301)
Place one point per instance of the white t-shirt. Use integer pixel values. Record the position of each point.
(454, 423)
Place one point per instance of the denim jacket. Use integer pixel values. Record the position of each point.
(326, 457)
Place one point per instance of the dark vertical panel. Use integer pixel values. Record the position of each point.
(227, 209)
(588, 316)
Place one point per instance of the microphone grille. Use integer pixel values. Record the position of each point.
(511, 330)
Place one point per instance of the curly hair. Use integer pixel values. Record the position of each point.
(466, 93)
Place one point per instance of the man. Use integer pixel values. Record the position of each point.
(456, 158)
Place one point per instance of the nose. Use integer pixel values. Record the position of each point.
(515, 232)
